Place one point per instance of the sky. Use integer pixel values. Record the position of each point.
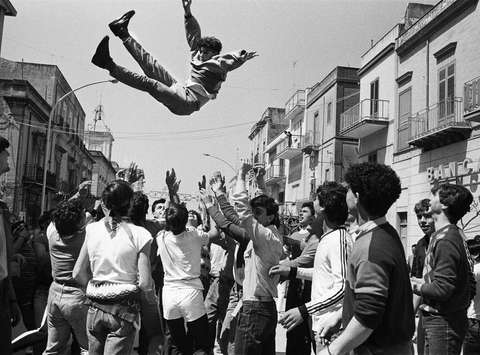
(317, 35)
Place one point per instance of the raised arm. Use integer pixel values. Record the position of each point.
(173, 186)
(233, 230)
(192, 28)
(217, 184)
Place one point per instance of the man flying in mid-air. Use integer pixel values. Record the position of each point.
(209, 67)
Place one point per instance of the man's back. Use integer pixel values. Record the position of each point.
(378, 291)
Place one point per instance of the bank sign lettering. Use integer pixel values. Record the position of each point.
(455, 170)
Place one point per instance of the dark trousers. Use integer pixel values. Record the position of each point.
(256, 327)
(471, 344)
(444, 335)
(5, 324)
(299, 339)
(195, 339)
(216, 303)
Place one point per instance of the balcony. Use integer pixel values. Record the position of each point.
(439, 125)
(275, 174)
(311, 142)
(34, 174)
(295, 104)
(471, 99)
(365, 118)
(289, 148)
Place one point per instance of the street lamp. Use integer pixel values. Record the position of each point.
(49, 130)
(222, 160)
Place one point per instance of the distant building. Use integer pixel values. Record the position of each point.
(6, 9)
(28, 91)
(103, 173)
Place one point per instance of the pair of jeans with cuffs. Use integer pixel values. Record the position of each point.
(444, 334)
(471, 344)
(156, 81)
(67, 312)
(109, 334)
(256, 327)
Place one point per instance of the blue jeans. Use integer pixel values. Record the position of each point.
(108, 334)
(256, 327)
(67, 311)
(471, 344)
(444, 335)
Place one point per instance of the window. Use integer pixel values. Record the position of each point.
(327, 175)
(295, 169)
(402, 218)
(446, 91)
(329, 112)
(405, 111)
(374, 98)
(372, 157)
(281, 197)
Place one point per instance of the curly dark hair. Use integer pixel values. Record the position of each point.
(377, 185)
(333, 199)
(422, 206)
(322, 191)
(211, 43)
(117, 197)
(456, 198)
(138, 208)
(270, 205)
(4, 144)
(67, 217)
(176, 218)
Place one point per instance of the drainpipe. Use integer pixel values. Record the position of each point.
(304, 132)
(427, 75)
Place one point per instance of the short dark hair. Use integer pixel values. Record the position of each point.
(422, 206)
(211, 43)
(67, 217)
(138, 208)
(333, 198)
(309, 205)
(199, 217)
(456, 198)
(4, 144)
(156, 202)
(117, 197)
(176, 218)
(270, 205)
(377, 185)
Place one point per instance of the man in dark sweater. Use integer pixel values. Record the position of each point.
(378, 313)
(448, 284)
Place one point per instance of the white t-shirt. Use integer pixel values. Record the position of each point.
(115, 258)
(474, 309)
(180, 255)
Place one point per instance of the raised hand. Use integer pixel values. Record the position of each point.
(250, 55)
(217, 184)
(186, 6)
(171, 180)
(206, 198)
(202, 184)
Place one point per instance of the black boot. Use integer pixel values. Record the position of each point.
(119, 27)
(102, 58)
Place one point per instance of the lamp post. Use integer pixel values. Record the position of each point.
(222, 160)
(49, 131)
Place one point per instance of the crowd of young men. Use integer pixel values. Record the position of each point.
(206, 281)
